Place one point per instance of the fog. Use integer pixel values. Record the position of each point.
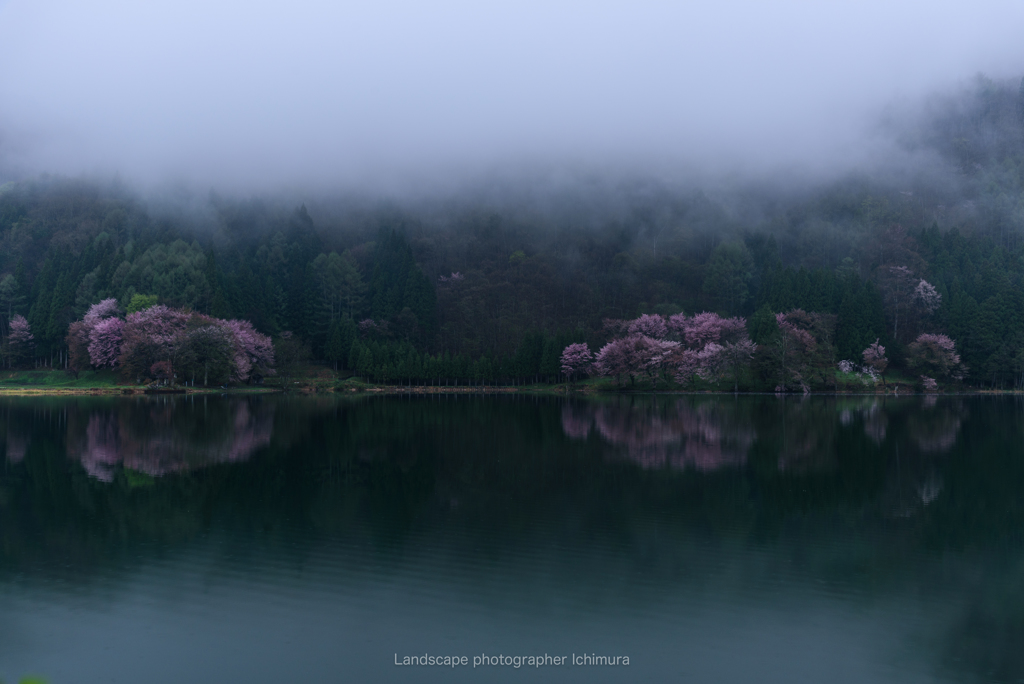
(394, 94)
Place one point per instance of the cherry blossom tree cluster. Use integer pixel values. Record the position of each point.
(163, 343)
(683, 347)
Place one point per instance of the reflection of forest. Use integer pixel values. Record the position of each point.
(157, 439)
(883, 497)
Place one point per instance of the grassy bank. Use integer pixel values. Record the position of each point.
(319, 379)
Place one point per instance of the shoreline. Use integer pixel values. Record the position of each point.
(398, 390)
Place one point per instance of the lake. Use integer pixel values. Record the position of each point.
(704, 538)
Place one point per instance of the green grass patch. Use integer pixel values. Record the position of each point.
(45, 379)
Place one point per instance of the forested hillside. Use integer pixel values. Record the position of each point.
(501, 286)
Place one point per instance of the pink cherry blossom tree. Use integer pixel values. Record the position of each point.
(20, 340)
(874, 358)
(710, 327)
(100, 311)
(148, 336)
(253, 352)
(712, 362)
(686, 364)
(935, 354)
(651, 325)
(614, 326)
(613, 360)
(646, 355)
(927, 297)
(576, 359)
(80, 334)
(658, 356)
(105, 342)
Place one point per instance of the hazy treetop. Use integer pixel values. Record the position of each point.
(387, 94)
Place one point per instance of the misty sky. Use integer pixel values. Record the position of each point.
(257, 94)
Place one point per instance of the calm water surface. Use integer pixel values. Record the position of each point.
(274, 539)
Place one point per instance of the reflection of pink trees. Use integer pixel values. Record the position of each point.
(156, 447)
(706, 437)
(876, 423)
(17, 447)
(576, 421)
(935, 431)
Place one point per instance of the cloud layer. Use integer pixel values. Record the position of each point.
(260, 94)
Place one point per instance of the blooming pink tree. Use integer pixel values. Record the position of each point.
(20, 340)
(100, 311)
(148, 336)
(105, 342)
(935, 354)
(614, 326)
(927, 297)
(253, 352)
(874, 357)
(80, 334)
(710, 327)
(712, 362)
(686, 363)
(651, 325)
(613, 360)
(656, 357)
(576, 359)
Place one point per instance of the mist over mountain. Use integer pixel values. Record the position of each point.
(406, 97)
(491, 184)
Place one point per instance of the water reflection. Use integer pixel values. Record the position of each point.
(803, 434)
(161, 438)
(151, 437)
(679, 435)
(902, 516)
(17, 446)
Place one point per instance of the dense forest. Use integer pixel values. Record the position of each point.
(492, 286)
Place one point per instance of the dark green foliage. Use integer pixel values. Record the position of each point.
(399, 290)
(204, 357)
(762, 326)
(486, 282)
(339, 342)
